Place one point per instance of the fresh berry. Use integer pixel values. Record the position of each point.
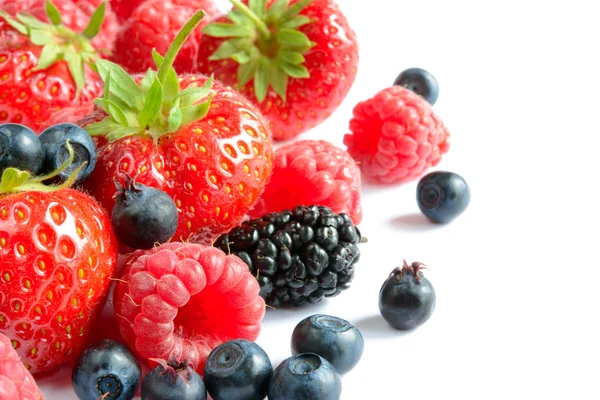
(57, 257)
(173, 382)
(333, 338)
(38, 80)
(106, 370)
(54, 141)
(421, 82)
(443, 196)
(143, 216)
(68, 115)
(305, 376)
(75, 15)
(124, 8)
(396, 136)
(312, 172)
(206, 147)
(239, 370)
(407, 298)
(20, 148)
(297, 60)
(16, 383)
(153, 26)
(179, 301)
(297, 256)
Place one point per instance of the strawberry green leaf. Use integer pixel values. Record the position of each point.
(296, 22)
(147, 80)
(171, 83)
(31, 22)
(291, 57)
(122, 131)
(195, 112)
(77, 70)
(295, 9)
(258, 7)
(279, 81)
(241, 58)
(107, 83)
(122, 84)
(41, 37)
(113, 110)
(48, 56)
(220, 29)
(152, 105)
(226, 50)
(95, 24)
(16, 25)
(13, 178)
(239, 19)
(261, 79)
(290, 38)
(246, 71)
(175, 119)
(277, 9)
(192, 95)
(295, 71)
(53, 13)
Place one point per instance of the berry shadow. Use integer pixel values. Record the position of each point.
(375, 327)
(58, 380)
(415, 222)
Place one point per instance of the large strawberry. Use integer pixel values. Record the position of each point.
(297, 59)
(75, 15)
(213, 157)
(44, 67)
(154, 25)
(57, 255)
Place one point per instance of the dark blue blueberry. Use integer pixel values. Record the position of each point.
(20, 148)
(442, 196)
(54, 141)
(407, 298)
(106, 370)
(421, 82)
(239, 370)
(333, 338)
(143, 216)
(173, 382)
(305, 376)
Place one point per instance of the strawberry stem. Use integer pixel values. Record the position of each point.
(263, 29)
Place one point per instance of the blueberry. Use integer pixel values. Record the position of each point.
(238, 369)
(20, 148)
(421, 82)
(173, 382)
(333, 338)
(305, 376)
(442, 196)
(407, 298)
(54, 141)
(143, 216)
(106, 370)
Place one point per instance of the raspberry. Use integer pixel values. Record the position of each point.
(396, 136)
(16, 383)
(179, 301)
(312, 172)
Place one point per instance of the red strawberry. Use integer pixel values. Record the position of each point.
(312, 172)
(38, 80)
(179, 301)
(396, 136)
(153, 25)
(298, 63)
(124, 8)
(75, 15)
(213, 158)
(57, 255)
(71, 115)
(16, 383)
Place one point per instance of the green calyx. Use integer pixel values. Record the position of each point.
(15, 181)
(59, 42)
(266, 42)
(155, 106)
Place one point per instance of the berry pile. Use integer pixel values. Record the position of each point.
(297, 256)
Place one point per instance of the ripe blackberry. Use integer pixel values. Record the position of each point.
(297, 256)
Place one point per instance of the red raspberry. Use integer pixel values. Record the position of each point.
(179, 301)
(312, 172)
(16, 383)
(396, 136)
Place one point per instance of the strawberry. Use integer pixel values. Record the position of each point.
(16, 383)
(297, 59)
(57, 255)
(44, 67)
(213, 157)
(124, 8)
(153, 25)
(74, 13)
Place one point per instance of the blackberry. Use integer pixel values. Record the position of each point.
(297, 256)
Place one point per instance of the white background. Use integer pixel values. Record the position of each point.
(516, 276)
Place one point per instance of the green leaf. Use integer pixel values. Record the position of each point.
(261, 79)
(195, 112)
(171, 84)
(241, 58)
(225, 51)
(291, 57)
(247, 71)
(295, 71)
(219, 29)
(77, 70)
(292, 38)
(117, 114)
(16, 25)
(107, 86)
(295, 9)
(121, 132)
(12, 179)
(53, 13)
(95, 24)
(258, 7)
(192, 95)
(296, 22)
(175, 118)
(41, 37)
(147, 80)
(239, 19)
(277, 9)
(152, 105)
(279, 81)
(48, 56)
(122, 84)
(32, 22)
